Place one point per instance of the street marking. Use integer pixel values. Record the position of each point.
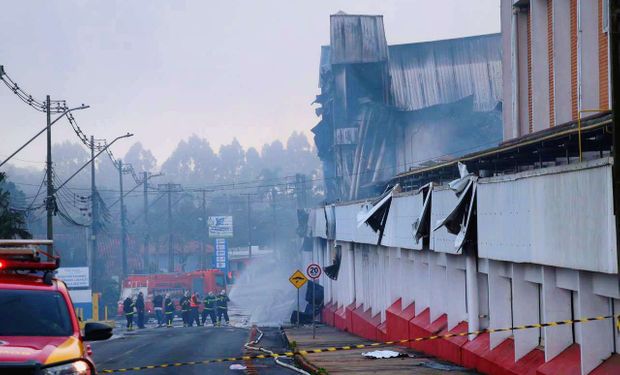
(361, 346)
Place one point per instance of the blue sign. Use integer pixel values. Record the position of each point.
(221, 254)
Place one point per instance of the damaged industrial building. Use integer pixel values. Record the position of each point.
(469, 189)
(388, 109)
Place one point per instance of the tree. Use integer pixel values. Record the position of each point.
(12, 220)
(141, 159)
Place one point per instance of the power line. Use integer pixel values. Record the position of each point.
(57, 106)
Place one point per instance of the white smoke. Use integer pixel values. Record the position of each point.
(265, 293)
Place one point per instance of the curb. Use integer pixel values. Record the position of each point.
(300, 360)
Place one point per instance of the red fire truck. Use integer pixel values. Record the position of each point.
(175, 284)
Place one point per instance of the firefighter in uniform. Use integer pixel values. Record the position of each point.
(194, 304)
(209, 310)
(184, 302)
(222, 307)
(128, 309)
(169, 306)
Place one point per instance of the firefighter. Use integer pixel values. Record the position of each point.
(209, 310)
(128, 307)
(222, 307)
(140, 310)
(184, 302)
(169, 305)
(158, 306)
(194, 304)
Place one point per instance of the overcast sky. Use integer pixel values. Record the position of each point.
(167, 69)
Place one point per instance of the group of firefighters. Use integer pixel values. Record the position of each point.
(215, 307)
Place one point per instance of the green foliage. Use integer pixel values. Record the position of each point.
(12, 221)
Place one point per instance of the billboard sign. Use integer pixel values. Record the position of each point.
(220, 226)
(74, 277)
(221, 254)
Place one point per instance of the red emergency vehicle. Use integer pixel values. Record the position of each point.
(175, 284)
(39, 330)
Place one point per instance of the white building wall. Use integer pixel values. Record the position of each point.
(550, 216)
(526, 270)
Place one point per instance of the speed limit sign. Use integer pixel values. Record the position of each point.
(313, 271)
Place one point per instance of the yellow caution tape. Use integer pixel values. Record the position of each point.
(362, 346)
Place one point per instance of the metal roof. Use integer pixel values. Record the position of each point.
(357, 39)
(441, 72)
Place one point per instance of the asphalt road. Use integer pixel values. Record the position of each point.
(154, 346)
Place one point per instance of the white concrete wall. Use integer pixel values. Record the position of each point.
(558, 216)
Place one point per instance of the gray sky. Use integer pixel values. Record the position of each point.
(166, 69)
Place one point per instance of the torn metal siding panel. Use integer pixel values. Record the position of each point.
(441, 72)
(320, 225)
(324, 66)
(357, 39)
(558, 216)
(444, 201)
(398, 228)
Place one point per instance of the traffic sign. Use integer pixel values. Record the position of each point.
(298, 279)
(313, 271)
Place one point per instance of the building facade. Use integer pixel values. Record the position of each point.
(556, 62)
(518, 233)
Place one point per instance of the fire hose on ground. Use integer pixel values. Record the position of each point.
(250, 346)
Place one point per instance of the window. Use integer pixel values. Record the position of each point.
(34, 313)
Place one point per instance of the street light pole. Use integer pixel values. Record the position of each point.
(41, 132)
(94, 217)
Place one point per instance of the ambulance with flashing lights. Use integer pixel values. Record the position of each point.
(39, 329)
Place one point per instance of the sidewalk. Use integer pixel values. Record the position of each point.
(352, 362)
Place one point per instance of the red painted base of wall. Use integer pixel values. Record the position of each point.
(402, 323)
(569, 362)
(340, 319)
(397, 320)
(364, 324)
(327, 314)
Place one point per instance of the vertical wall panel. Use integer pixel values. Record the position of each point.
(525, 311)
(556, 307)
(596, 338)
(500, 314)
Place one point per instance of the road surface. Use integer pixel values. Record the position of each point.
(154, 346)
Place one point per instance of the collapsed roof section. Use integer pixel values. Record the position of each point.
(371, 94)
(446, 71)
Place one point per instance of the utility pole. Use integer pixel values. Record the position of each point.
(275, 221)
(168, 189)
(147, 228)
(123, 222)
(50, 203)
(203, 244)
(94, 217)
(170, 249)
(249, 228)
